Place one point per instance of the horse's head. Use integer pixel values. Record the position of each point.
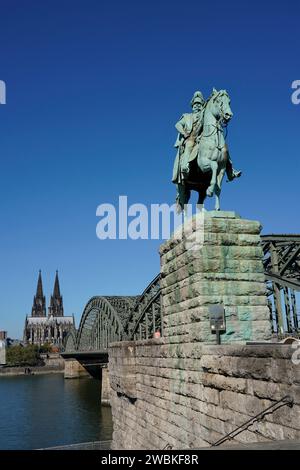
(219, 102)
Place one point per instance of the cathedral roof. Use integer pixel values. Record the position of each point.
(49, 320)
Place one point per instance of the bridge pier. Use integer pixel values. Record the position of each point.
(89, 364)
(105, 386)
(74, 370)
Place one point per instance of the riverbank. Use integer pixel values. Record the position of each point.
(52, 363)
(37, 370)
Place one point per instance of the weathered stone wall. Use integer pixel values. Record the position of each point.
(217, 259)
(191, 395)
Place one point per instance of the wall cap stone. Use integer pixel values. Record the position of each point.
(274, 350)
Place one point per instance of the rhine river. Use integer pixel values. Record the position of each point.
(47, 410)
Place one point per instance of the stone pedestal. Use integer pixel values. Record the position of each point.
(215, 258)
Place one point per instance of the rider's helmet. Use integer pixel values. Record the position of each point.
(197, 98)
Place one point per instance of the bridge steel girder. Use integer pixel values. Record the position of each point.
(282, 273)
(71, 340)
(146, 316)
(100, 324)
(282, 259)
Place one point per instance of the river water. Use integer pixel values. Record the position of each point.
(47, 410)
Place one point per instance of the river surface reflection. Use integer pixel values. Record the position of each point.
(47, 410)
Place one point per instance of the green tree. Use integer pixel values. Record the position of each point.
(23, 356)
(45, 348)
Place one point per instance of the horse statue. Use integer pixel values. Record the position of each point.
(208, 157)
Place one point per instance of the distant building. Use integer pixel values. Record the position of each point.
(40, 328)
(2, 352)
(3, 335)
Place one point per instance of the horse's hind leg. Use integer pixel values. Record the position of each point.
(182, 197)
(213, 182)
(201, 196)
(218, 188)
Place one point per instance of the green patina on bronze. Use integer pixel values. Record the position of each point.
(202, 155)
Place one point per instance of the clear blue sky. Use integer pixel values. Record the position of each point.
(93, 91)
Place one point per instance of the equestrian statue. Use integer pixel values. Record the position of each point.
(202, 154)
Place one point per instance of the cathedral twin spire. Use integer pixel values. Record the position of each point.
(56, 303)
(39, 302)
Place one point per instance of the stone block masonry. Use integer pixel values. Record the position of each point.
(191, 395)
(217, 259)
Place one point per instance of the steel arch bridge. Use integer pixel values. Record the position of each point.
(106, 319)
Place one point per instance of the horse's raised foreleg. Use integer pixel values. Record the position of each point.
(218, 188)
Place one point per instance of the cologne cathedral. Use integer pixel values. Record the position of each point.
(41, 328)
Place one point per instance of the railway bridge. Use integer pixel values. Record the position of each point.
(107, 319)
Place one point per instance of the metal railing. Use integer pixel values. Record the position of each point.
(285, 401)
